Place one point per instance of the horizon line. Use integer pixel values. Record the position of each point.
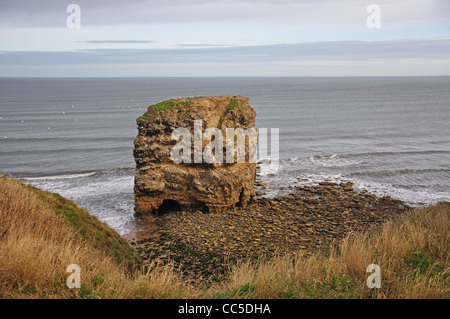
(225, 76)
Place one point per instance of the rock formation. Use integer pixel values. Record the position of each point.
(163, 183)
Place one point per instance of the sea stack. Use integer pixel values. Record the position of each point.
(179, 164)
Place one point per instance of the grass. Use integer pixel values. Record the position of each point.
(42, 233)
(169, 105)
(232, 106)
(163, 107)
(413, 254)
(90, 229)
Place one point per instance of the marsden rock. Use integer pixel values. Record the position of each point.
(163, 183)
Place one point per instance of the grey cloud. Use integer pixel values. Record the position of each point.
(52, 13)
(117, 42)
(201, 45)
(326, 51)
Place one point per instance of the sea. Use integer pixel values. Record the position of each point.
(74, 136)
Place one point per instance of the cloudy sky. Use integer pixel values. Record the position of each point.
(224, 38)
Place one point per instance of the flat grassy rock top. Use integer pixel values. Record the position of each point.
(200, 107)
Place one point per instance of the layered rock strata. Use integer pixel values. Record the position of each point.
(170, 177)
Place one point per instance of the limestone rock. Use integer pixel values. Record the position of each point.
(162, 184)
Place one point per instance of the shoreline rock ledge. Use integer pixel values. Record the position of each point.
(162, 184)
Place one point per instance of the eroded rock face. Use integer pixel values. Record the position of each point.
(161, 184)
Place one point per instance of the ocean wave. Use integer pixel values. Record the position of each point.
(58, 177)
(116, 217)
(118, 171)
(325, 156)
(349, 159)
(51, 149)
(110, 172)
(325, 160)
(77, 139)
(392, 153)
(412, 195)
(405, 171)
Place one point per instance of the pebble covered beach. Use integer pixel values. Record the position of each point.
(309, 219)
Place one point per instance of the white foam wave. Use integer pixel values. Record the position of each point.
(413, 197)
(327, 156)
(105, 219)
(333, 160)
(57, 177)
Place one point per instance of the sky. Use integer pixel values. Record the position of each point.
(189, 38)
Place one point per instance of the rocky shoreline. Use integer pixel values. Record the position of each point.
(310, 218)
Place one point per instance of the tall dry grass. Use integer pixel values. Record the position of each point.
(413, 255)
(37, 245)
